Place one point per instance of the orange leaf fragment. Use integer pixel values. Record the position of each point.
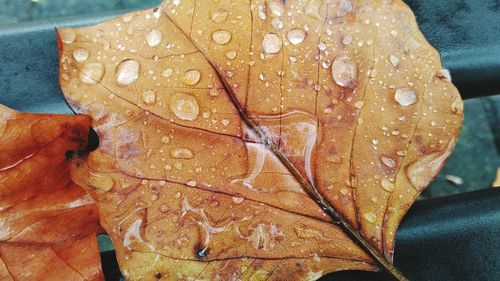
(49, 224)
(223, 124)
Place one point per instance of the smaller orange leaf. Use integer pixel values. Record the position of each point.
(49, 224)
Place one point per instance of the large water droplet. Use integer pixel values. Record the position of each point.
(149, 97)
(182, 153)
(67, 35)
(185, 106)
(221, 37)
(154, 38)
(219, 15)
(80, 54)
(191, 77)
(127, 72)
(271, 43)
(92, 73)
(405, 96)
(344, 72)
(296, 36)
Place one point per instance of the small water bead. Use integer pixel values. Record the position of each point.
(238, 199)
(185, 106)
(359, 104)
(165, 139)
(387, 185)
(191, 183)
(370, 217)
(214, 92)
(167, 72)
(344, 7)
(405, 96)
(67, 35)
(344, 191)
(81, 54)
(347, 40)
(296, 36)
(344, 72)
(154, 197)
(322, 46)
(231, 55)
(127, 72)
(221, 37)
(163, 208)
(149, 97)
(127, 17)
(157, 12)
(277, 23)
(394, 60)
(191, 77)
(271, 44)
(92, 73)
(219, 15)
(154, 38)
(262, 76)
(177, 195)
(388, 161)
(276, 8)
(182, 153)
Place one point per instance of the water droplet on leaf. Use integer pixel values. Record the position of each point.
(344, 72)
(219, 15)
(67, 35)
(191, 77)
(80, 54)
(185, 106)
(154, 38)
(149, 97)
(296, 36)
(271, 43)
(127, 72)
(221, 37)
(405, 96)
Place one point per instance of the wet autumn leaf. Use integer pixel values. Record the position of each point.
(230, 129)
(49, 224)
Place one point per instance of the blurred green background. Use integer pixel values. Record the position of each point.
(476, 157)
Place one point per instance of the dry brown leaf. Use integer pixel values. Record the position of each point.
(220, 120)
(49, 224)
